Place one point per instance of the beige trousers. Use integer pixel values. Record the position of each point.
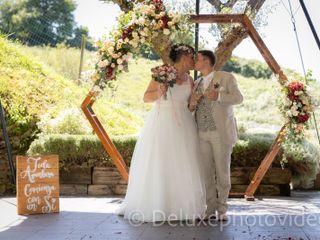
(216, 157)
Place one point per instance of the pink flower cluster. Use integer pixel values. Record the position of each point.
(296, 92)
(165, 74)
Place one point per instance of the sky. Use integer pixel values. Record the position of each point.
(278, 34)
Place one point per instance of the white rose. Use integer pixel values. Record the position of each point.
(166, 31)
(295, 113)
(126, 40)
(135, 35)
(115, 55)
(120, 67)
(305, 101)
(96, 88)
(119, 61)
(296, 93)
(288, 102)
(172, 75)
(95, 77)
(294, 107)
(142, 21)
(289, 114)
(103, 63)
(116, 33)
(110, 50)
(113, 65)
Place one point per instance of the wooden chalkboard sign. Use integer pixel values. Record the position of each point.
(37, 184)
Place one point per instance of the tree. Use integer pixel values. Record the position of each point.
(230, 37)
(79, 32)
(37, 22)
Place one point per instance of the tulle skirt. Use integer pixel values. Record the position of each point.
(165, 178)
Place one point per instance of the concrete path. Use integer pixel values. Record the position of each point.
(296, 217)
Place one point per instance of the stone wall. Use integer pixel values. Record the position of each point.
(106, 181)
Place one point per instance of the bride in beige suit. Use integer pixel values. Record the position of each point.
(214, 95)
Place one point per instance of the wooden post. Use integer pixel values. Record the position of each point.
(108, 145)
(264, 166)
(83, 45)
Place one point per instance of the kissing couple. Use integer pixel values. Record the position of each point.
(180, 168)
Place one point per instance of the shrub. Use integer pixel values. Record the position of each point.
(68, 121)
(249, 151)
(81, 150)
(248, 68)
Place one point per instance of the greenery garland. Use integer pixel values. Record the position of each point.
(296, 107)
(148, 20)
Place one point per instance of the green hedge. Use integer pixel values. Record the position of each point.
(81, 150)
(87, 150)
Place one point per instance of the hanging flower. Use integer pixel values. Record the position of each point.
(146, 21)
(296, 108)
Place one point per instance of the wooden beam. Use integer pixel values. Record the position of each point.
(264, 166)
(261, 45)
(218, 18)
(108, 145)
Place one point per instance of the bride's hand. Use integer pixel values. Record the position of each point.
(163, 88)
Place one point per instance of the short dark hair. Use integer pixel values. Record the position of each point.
(178, 50)
(208, 54)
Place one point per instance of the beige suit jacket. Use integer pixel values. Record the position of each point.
(223, 108)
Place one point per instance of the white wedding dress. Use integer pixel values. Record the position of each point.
(165, 178)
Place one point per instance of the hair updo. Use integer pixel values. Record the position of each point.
(178, 50)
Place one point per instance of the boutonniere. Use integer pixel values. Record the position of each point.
(216, 85)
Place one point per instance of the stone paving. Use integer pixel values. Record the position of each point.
(296, 217)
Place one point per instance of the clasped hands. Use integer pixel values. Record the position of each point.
(211, 93)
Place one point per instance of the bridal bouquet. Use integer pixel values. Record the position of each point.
(165, 74)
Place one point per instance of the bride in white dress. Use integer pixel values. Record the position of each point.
(165, 178)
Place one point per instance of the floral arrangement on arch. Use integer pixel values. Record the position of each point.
(296, 108)
(146, 21)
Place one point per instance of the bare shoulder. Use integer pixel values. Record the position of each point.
(190, 79)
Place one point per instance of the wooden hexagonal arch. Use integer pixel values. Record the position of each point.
(274, 66)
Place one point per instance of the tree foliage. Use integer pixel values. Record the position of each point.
(41, 22)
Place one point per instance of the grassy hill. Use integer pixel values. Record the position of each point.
(258, 112)
(35, 96)
(39, 92)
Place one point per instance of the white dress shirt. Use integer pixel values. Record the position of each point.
(207, 79)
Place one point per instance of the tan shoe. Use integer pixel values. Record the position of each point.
(211, 216)
(222, 217)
